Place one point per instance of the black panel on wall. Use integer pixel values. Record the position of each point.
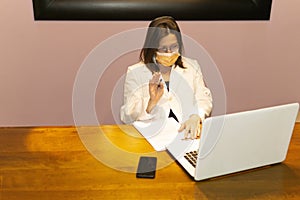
(149, 9)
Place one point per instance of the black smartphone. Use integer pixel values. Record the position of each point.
(146, 167)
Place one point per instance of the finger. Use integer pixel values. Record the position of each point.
(152, 87)
(156, 77)
(198, 132)
(154, 80)
(161, 86)
(181, 128)
(190, 130)
(154, 84)
(187, 133)
(161, 83)
(156, 74)
(151, 81)
(193, 130)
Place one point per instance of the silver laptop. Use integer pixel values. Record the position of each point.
(237, 142)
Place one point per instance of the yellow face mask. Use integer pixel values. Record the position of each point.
(167, 59)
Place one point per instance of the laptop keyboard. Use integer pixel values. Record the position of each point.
(191, 157)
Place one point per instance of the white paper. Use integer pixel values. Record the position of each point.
(159, 133)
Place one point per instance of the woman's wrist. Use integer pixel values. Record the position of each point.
(150, 106)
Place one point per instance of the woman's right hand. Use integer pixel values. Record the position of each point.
(156, 90)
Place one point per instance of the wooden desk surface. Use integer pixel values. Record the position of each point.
(52, 163)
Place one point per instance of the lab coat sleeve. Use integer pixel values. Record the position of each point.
(136, 97)
(203, 95)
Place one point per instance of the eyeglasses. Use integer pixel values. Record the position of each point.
(172, 48)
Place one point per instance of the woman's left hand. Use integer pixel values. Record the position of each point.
(191, 127)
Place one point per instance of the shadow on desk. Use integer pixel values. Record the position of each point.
(263, 183)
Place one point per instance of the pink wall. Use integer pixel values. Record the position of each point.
(259, 61)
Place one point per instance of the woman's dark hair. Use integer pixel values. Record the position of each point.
(159, 28)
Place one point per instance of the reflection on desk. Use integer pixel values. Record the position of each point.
(52, 163)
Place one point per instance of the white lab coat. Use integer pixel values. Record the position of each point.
(187, 94)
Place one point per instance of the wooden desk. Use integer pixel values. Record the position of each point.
(52, 163)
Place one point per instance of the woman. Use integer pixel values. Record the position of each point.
(176, 87)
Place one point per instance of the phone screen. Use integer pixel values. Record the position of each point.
(146, 167)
